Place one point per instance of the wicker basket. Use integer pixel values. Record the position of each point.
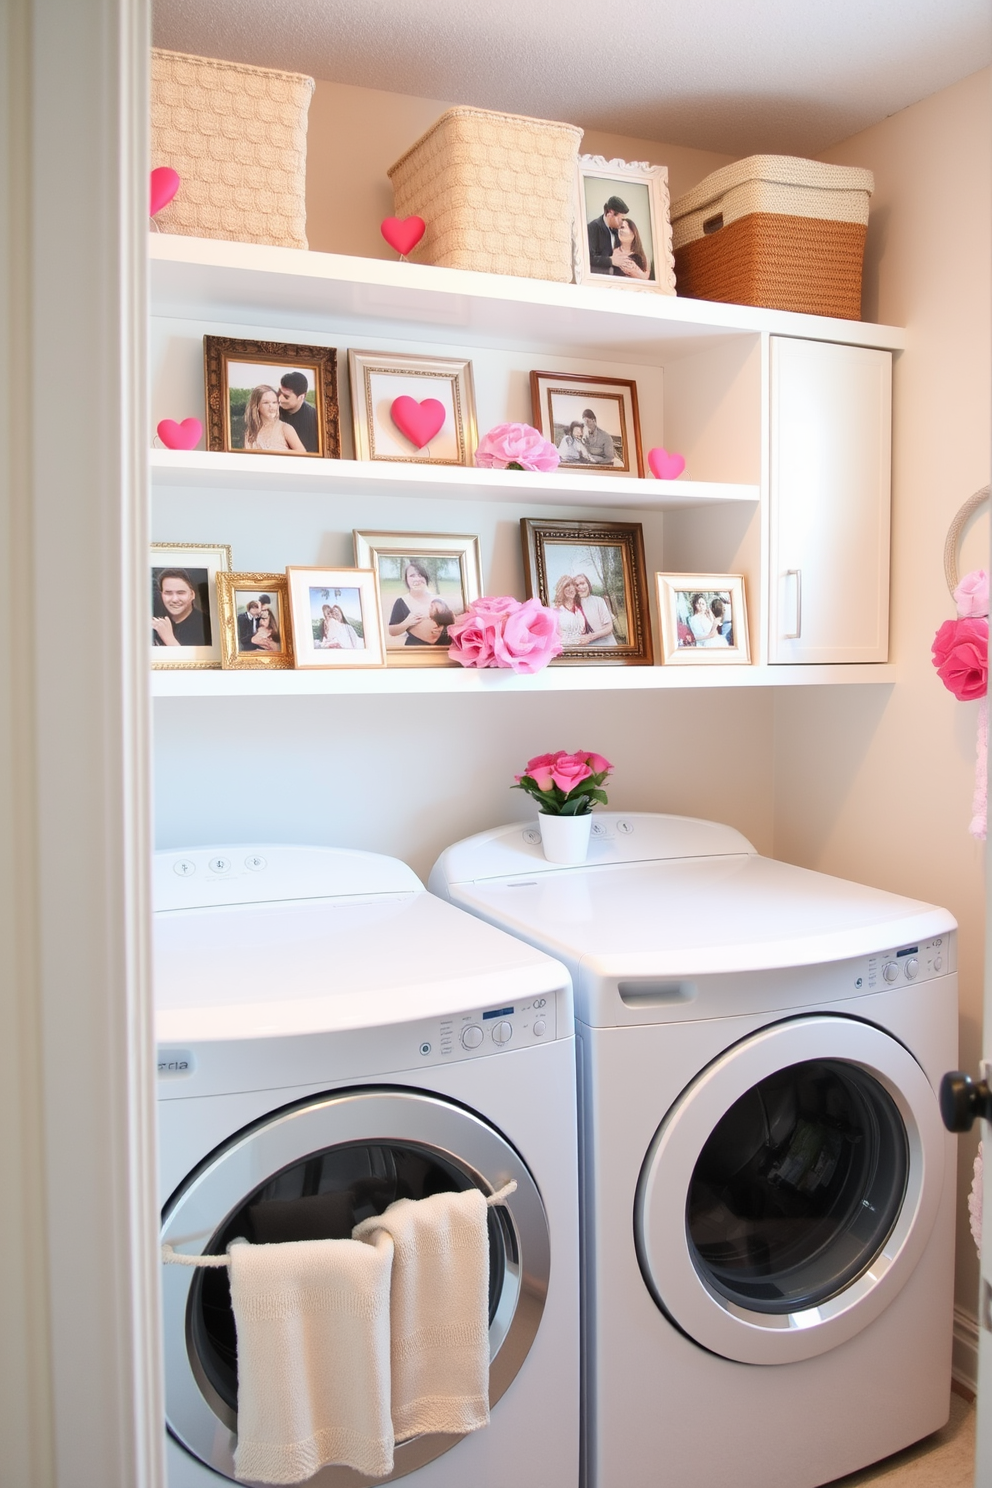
(237, 136)
(776, 231)
(496, 192)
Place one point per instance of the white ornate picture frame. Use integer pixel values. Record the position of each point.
(647, 263)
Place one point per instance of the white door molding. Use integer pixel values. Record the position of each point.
(79, 1313)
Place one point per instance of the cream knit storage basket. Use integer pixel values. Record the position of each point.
(237, 135)
(777, 231)
(496, 192)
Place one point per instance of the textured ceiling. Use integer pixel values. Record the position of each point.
(736, 76)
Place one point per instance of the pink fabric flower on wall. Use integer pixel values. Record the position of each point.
(961, 656)
(516, 447)
(504, 632)
(972, 595)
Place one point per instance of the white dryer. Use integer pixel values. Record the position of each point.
(768, 1191)
(332, 1037)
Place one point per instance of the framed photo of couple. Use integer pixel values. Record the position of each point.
(593, 422)
(335, 618)
(254, 622)
(624, 226)
(426, 580)
(592, 575)
(186, 628)
(703, 619)
(267, 398)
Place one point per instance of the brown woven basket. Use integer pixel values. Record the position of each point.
(496, 191)
(237, 135)
(805, 264)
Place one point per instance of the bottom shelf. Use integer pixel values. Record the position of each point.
(395, 680)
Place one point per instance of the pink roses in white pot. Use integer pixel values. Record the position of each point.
(566, 787)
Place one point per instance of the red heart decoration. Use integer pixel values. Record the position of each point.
(180, 436)
(665, 466)
(403, 233)
(418, 421)
(163, 186)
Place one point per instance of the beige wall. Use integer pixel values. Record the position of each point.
(872, 783)
(355, 135)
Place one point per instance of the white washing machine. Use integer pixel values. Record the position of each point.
(768, 1191)
(331, 1037)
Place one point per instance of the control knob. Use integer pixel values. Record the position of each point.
(912, 968)
(502, 1033)
(472, 1036)
(890, 971)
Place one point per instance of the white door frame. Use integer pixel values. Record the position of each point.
(80, 1392)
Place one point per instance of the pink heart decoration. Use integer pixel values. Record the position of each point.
(418, 421)
(403, 233)
(163, 186)
(665, 466)
(180, 436)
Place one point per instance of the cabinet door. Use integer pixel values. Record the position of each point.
(830, 413)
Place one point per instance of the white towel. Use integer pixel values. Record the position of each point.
(313, 1358)
(439, 1311)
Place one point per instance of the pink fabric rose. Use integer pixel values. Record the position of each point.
(516, 445)
(539, 769)
(972, 595)
(569, 770)
(597, 764)
(502, 632)
(961, 656)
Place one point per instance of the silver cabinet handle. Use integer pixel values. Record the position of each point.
(797, 574)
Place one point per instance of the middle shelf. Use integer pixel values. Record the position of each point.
(206, 470)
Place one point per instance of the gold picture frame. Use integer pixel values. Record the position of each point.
(379, 378)
(442, 567)
(235, 370)
(185, 618)
(335, 618)
(593, 575)
(703, 619)
(255, 629)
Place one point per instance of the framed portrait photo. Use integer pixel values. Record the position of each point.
(266, 398)
(426, 580)
(254, 621)
(703, 619)
(412, 409)
(624, 225)
(593, 422)
(592, 575)
(185, 618)
(335, 618)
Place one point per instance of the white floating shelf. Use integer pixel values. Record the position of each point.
(390, 681)
(250, 284)
(294, 474)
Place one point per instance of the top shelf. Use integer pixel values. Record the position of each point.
(251, 284)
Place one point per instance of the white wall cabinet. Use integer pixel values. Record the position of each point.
(828, 495)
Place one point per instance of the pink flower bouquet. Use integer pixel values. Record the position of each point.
(516, 447)
(565, 784)
(505, 632)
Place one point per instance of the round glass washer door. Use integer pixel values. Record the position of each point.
(791, 1190)
(312, 1171)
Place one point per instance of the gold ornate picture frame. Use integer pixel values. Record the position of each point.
(255, 630)
(593, 575)
(271, 398)
(378, 379)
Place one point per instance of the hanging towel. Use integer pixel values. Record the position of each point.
(439, 1311)
(313, 1357)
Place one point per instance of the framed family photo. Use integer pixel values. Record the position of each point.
(703, 619)
(593, 422)
(267, 398)
(426, 581)
(624, 225)
(413, 409)
(592, 575)
(335, 618)
(254, 622)
(185, 619)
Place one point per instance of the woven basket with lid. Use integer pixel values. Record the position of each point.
(237, 135)
(496, 191)
(777, 231)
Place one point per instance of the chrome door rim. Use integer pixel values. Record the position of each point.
(201, 1422)
(660, 1231)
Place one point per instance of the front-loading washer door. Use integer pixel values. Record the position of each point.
(312, 1171)
(790, 1190)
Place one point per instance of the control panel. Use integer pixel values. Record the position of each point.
(516, 1025)
(253, 873)
(909, 963)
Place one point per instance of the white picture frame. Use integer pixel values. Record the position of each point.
(351, 595)
(192, 566)
(723, 641)
(643, 189)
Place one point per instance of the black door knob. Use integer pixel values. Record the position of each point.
(962, 1099)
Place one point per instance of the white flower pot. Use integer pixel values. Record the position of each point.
(565, 839)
